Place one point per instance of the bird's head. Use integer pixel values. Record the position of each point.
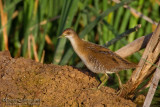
(68, 33)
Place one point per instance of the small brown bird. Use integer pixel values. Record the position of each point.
(97, 58)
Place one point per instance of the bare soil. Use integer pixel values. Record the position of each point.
(24, 82)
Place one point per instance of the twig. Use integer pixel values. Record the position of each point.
(150, 73)
(150, 54)
(42, 58)
(153, 87)
(137, 13)
(29, 46)
(34, 49)
(4, 21)
(134, 46)
(154, 41)
(126, 33)
(19, 49)
(49, 41)
(15, 14)
(151, 63)
(145, 85)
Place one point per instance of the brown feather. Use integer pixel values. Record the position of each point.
(97, 58)
(111, 61)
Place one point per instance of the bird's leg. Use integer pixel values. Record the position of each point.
(120, 85)
(102, 77)
(104, 81)
(119, 80)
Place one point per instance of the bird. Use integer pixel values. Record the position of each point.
(97, 59)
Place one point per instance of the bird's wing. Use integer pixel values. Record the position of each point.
(109, 59)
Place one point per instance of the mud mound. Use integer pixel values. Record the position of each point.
(26, 82)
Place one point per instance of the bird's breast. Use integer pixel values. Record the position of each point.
(92, 63)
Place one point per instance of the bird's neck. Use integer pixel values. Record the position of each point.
(76, 43)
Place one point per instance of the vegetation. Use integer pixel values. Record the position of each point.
(30, 28)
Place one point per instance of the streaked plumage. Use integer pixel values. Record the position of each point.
(97, 58)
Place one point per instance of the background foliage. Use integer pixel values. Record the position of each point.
(33, 26)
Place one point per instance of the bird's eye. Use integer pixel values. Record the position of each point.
(68, 33)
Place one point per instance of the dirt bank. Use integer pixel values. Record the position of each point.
(26, 82)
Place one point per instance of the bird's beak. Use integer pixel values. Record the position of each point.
(62, 36)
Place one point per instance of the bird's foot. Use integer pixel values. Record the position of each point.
(104, 80)
(118, 93)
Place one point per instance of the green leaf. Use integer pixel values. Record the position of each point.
(68, 12)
